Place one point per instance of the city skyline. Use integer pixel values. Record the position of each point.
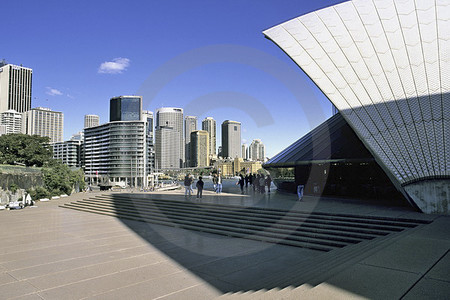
(237, 84)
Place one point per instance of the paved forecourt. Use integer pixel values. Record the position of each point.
(49, 252)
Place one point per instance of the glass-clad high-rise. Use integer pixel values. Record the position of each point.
(125, 108)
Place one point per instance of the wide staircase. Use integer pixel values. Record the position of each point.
(312, 230)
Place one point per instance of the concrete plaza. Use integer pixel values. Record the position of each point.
(49, 252)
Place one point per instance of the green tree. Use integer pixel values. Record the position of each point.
(60, 179)
(30, 150)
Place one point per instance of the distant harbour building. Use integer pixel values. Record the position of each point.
(68, 152)
(12, 120)
(91, 121)
(44, 122)
(231, 139)
(125, 108)
(200, 148)
(256, 150)
(209, 125)
(15, 87)
(169, 141)
(385, 66)
(190, 125)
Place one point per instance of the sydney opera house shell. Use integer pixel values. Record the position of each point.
(385, 64)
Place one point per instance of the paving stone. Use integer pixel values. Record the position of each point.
(113, 282)
(374, 282)
(16, 289)
(152, 289)
(410, 254)
(441, 270)
(67, 277)
(429, 289)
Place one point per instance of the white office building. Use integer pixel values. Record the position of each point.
(44, 122)
(12, 120)
(256, 150)
(91, 121)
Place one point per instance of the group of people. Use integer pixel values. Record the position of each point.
(258, 182)
(188, 181)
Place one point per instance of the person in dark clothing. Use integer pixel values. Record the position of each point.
(246, 180)
(250, 179)
(256, 183)
(241, 183)
(199, 185)
(268, 182)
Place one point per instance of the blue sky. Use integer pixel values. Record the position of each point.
(208, 57)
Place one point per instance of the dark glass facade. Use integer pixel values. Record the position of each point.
(125, 108)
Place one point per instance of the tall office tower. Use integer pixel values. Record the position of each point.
(91, 121)
(256, 150)
(147, 117)
(44, 122)
(125, 108)
(231, 139)
(200, 148)
(209, 124)
(169, 142)
(12, 120)
(190, 125)
(15, 87)
(244, 151)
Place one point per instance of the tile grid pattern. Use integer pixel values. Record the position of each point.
(385, 65)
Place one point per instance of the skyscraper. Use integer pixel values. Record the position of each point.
(199, 148)
(169, 142)
(147, 117)
(91, 121)
(190, 125)
(44, 122)
(209, 124)
(231, 139)
(244, 151)
(256, 150)
(15, 87)
(121, 150)
(125, 108)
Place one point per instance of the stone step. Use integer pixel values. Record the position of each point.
(280, 227)
(221, 230)
(402, 222)
(309, 220)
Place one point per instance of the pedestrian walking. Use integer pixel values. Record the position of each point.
(219, 184)
(256, 183)
(300, 190)
(268, 182)
(246, 180)
(199, 186)
(262, 184)
(188, 185)
(241, 183)
(214, 180)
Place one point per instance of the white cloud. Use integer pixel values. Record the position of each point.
(53, 92)
(116, 66)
